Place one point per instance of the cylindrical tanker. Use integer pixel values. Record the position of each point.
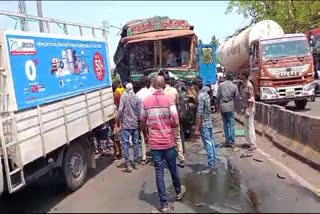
(234, 53)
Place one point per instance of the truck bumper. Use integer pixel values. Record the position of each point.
(287, 94)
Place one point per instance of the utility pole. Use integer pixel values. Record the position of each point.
(39, 11)
(23, 10)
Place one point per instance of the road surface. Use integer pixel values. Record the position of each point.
(312, 108)
(241, 185)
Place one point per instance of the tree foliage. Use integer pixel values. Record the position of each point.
(214, 41)
(293, 16)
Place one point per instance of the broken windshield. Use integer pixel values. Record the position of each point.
(285, 48)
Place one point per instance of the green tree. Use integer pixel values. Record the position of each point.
(200, 42)
(293, 16)
(214, 41)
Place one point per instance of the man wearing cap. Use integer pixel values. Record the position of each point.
(227, 93)
(173, 94)
(129, 114)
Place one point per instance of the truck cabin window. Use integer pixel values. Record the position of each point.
(176, 52)
(206, 55)
(141, 55)
(285, 49)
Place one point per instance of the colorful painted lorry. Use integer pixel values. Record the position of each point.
(149, 45)
(146, 45)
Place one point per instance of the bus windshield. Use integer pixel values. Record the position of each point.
(285, 48)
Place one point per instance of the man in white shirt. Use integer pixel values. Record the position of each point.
(142, 94)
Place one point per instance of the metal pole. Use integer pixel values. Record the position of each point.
(39, 11)
(23, 10)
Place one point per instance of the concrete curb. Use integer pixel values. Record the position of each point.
(292, 147)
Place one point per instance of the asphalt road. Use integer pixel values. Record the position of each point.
(312, 108)
(241, 185)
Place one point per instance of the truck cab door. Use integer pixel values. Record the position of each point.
(254, 57)
(207, 63)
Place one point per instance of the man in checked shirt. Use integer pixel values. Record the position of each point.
(204, 124)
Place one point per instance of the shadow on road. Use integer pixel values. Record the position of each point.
(45, 194)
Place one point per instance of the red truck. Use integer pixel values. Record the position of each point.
(280, 65)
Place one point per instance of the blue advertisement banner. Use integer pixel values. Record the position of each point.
(46, 69)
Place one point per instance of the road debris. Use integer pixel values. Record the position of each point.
(245, 155)
(280, 176)
(258, 160)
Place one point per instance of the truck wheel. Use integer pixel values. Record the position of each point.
(75, 167)
(300, 104)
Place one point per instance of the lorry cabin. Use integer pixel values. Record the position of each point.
(159, 42)
(280, 65)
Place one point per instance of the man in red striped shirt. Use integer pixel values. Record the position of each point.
(159, 115)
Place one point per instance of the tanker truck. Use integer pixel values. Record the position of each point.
(280, 65)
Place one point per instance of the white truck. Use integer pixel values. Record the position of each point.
(54, 90)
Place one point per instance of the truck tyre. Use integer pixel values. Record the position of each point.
(300, 104)
(1, 178)
(75, 167)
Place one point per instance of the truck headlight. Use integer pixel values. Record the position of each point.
(269, 91)
(309, 87)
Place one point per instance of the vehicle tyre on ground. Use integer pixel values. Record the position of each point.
(75, 167)
(300, 104)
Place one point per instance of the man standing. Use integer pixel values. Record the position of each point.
(142, 94)
(173, 94)
(227, 94)
(204, 123)
(118, 91)
(248, 106)
(151, 85)
(129, 114)
(160, 116)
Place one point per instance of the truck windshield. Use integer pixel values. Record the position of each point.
(141, 55)
(285, 48)
(176, 52)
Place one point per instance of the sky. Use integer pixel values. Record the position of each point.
(208, 17)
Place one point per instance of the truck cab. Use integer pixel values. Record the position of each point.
(159, 42)
(286, 69)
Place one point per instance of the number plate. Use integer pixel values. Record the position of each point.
(290, 94)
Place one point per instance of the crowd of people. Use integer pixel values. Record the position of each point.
(151, 115)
